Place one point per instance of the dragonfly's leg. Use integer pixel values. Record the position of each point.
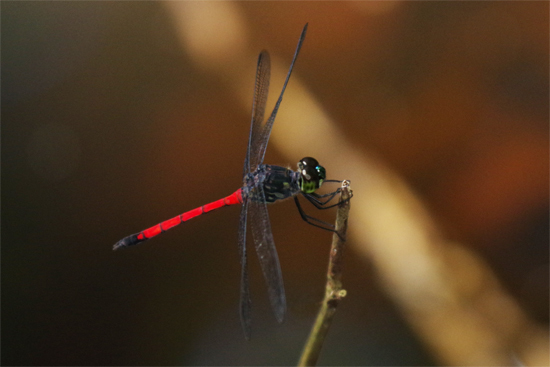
(319, 204)
(314, 221)
(314, 198)
(309, 218)
(331, 194)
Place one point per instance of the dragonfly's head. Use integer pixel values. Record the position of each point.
(312, 175)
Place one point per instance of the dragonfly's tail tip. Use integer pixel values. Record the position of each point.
(118, 245)
(127, 241)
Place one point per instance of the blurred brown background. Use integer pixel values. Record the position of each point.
(115, 116)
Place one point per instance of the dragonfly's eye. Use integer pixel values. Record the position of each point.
(312, 174)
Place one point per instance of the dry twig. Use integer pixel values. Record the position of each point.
(333, 291)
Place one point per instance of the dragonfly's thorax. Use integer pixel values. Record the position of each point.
(278, 183)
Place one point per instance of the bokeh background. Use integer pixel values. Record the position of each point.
(117, 115)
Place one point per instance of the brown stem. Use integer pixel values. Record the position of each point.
(333, 290)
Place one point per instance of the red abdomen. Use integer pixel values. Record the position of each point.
(233, 199)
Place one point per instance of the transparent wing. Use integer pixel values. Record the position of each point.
(261, 87)
(260, 136)
(259, 218)
(267, 254)
(245, 304)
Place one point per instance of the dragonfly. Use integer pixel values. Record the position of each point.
(262, 184)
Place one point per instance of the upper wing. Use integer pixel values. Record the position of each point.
(260, 132)
(259, 138)
(261, 87)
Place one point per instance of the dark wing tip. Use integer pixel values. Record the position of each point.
(280, 310)
(245, 318)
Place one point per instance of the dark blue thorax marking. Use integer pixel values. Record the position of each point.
(278, 183)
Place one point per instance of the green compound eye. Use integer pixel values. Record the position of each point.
(322, 172)
(312, 175)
